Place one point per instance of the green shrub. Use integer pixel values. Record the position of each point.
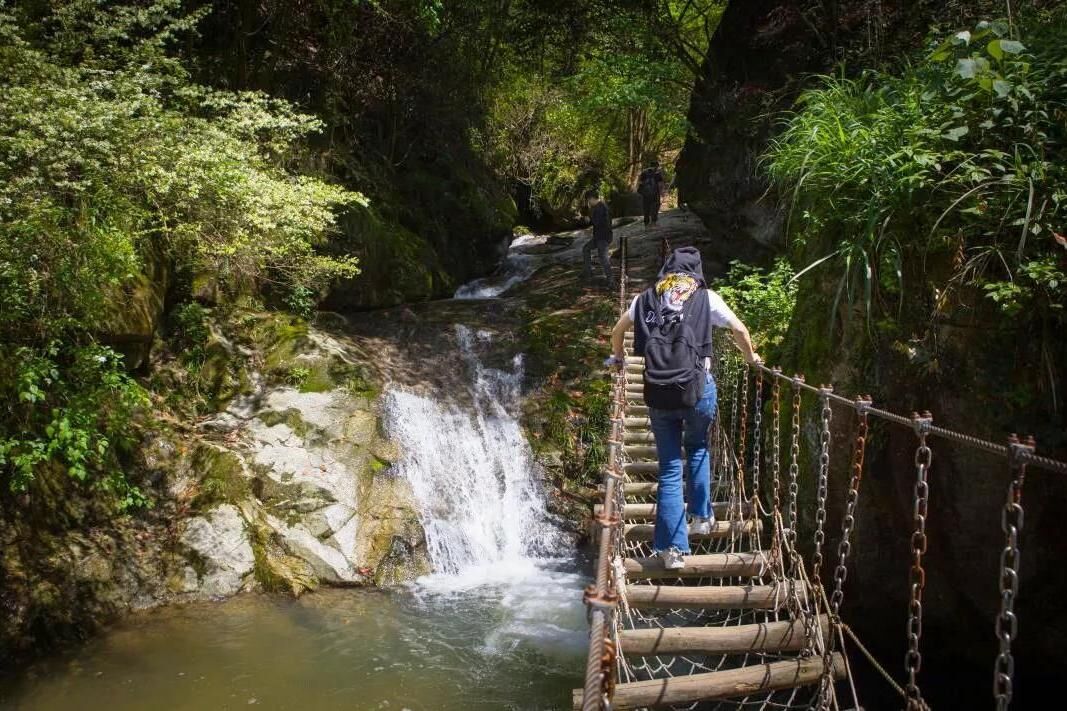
(109, 152)
(68, 406)
(960, 159)
(763, 298)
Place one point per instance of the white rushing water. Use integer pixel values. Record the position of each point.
(474, 476)
(515, 269)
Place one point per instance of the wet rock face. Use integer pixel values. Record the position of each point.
(288, 488)
(762, 55)
(315, 494)
(759, 46)
(218, 538)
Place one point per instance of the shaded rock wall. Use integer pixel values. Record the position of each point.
(289, 486)
(761, 56)
(756, 66)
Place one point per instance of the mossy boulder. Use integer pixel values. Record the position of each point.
(221, 475)
(132, 316)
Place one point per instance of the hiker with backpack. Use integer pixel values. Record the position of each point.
(650, 186)
(673, 322)
(600, 216)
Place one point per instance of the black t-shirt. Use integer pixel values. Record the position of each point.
(601, 219)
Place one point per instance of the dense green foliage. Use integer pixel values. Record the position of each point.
(402, 87)
(936, 194)
(591, 106)
(111, 161)
(763, 299)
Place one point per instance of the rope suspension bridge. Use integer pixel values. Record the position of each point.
(748, 623)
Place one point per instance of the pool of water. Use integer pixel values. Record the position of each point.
(488, 639)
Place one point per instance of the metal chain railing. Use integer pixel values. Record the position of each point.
(757, 444)
(844, 546)
(823, 486)
(602, 597)
(917, 574)
(776, 467)
(794, 464)
(848, 520)
(1011, 521)
(1029, 458)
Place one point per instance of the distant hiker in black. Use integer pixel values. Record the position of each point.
(650, 185)
(601, 239)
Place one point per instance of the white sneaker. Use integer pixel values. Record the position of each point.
(672, 559)
(702, 526)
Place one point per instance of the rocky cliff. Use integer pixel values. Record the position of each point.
(760, 58)
(284, 483)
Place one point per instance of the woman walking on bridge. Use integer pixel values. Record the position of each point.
(673, 322)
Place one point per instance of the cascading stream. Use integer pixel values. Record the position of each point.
(473, 472)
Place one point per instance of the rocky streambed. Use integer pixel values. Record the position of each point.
(273, 467)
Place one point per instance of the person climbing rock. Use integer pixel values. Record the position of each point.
(650, 186)
(673, 322)
(600, 240)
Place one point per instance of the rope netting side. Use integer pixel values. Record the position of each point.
(602, 597)
(757, 490)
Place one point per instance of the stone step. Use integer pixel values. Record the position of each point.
(766, 637)
(751, 680)
(711, 565)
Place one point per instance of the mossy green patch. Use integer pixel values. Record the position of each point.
(277, 571)
(290, 417)
(221, 474)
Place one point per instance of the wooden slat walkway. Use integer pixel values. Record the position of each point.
(650, 587)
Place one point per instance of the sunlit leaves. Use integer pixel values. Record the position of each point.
(963, 151)
(112, 162)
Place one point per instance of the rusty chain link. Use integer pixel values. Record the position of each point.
(743, 434)
(822, 487)
(776, 468)
(917, 574)
(757, 443)
(844, 547)
(794, 464)
(1011, 521)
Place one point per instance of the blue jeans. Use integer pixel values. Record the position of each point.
(671, 428)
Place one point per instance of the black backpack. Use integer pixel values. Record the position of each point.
(646, 182)
(674, 367)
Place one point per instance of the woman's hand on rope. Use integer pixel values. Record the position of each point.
(614, 362)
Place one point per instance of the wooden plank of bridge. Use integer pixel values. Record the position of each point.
(766, 637)
(718, 685)
(787, 636)
(711, 565)
(637, 488)
(639, 452)
(721, 529)
(641, 468)
(647, 512)
(710, 597)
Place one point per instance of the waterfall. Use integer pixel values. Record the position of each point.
(515, 269)
(473, 473)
